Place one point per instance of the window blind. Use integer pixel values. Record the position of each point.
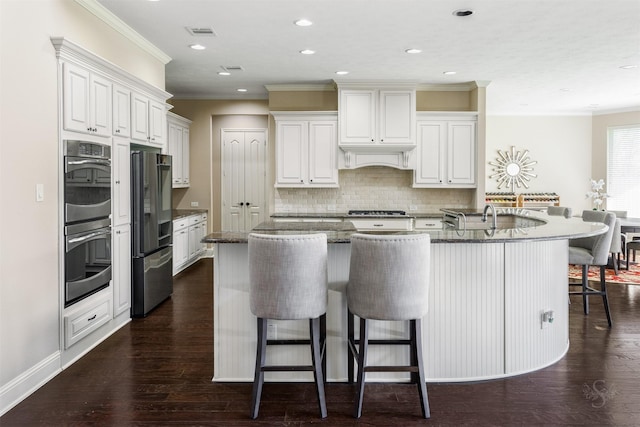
(623, 169)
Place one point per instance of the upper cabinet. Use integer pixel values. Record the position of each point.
(306, 149)
(121, 111)
(148, 120)
(377, 125)
(178, 134)
(86, 101)
(446, 152)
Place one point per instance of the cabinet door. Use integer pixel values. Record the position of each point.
(100, 105)
(292, 141)
(75, 87)
(121, 182)
(323, 148)
(185, 157)
(121, 269)
(397, 117)
(121, 111)
(180, 248)
(157, 120)
(431, 152)
(194, 241)
(139, 117)
(175, 150)
(358, 116)
(461, 137)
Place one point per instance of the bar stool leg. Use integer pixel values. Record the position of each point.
(362, 360)
(350, 340)
(314, 328)
(416, 354)
(258, 379)
(605, 298)
(585, 284)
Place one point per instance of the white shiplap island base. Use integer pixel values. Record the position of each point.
(486, 302)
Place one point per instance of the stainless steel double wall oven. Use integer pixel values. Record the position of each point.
(87, 206)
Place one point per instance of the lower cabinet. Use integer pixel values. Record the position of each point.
(121, 265)
(86, 318)
(188, 231)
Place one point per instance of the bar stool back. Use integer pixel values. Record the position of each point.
(288, 281)
(388, 280)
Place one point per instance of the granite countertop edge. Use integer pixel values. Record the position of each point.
(181, 213)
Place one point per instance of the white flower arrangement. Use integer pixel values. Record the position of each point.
(597, 193)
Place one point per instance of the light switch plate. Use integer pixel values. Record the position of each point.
(195, 204)
(39, 192)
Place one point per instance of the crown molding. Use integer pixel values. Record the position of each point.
(120, 26)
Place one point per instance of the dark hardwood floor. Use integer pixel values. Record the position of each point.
(157, 371)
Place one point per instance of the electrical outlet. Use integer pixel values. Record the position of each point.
(546, 318)
(195, 204)
(272, 332)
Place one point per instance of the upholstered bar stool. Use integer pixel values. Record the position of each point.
(388, 280)
(288, 281)
(593, 251)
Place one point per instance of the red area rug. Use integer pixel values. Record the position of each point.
(625, 277)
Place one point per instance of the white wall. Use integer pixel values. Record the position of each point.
(560, 144)
(29, 145)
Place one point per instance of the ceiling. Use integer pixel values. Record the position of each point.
(538, 56)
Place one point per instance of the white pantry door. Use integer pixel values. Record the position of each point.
(243, 178)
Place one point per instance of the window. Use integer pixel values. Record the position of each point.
(623, 169)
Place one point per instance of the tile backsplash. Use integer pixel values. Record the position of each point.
(372, 187)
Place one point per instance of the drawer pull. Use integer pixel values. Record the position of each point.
(91, 318)
(378, 225)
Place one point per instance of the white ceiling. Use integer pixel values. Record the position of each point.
(540, 56)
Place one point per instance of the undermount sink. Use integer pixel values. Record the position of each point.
(503, 222)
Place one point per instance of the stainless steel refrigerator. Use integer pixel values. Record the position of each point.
(152, 252)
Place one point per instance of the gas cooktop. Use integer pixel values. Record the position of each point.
(376, 213)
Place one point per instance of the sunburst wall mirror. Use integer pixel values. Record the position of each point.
(513, 169)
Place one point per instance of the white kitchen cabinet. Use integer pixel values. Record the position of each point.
(377, 117)
(121, 267)
(87, 316)
(121, 111)
(446, 153)
(178, 147)
(121, 186)
(306, 150)
(86, 101)
(148, 120)
(188, 232)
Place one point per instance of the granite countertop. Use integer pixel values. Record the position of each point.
(552, 228)
(181, 213)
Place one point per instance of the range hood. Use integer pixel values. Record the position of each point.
(399, 157)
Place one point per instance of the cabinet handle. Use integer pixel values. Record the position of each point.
(91, 318)
(310, 180)
(248, 203)
(117, 130)
(372, 140)
(89, 129)
(382, 140)
(241, 204)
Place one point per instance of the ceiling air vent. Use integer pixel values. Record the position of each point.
(231, 68)
(201, 31)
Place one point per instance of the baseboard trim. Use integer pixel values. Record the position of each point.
(18, 389)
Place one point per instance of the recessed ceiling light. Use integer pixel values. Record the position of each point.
(413, 51)
(449, 73)
(241, 90)
(307, 52)
(224, 73)
(197, 47)
(463, 12)
(564, 89)
(342, 73)
(629, 67)
(303, 23)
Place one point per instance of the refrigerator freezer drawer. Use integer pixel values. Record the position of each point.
(153, 280)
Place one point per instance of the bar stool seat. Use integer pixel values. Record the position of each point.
(288, 281)
(388, 280)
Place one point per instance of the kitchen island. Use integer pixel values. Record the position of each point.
(498, 302)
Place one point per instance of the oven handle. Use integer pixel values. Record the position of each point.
(90, 162)
(76, 241)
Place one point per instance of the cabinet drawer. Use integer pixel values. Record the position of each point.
(194, 219)
(370, 224)
(203, 216)
(428, 224)
(80, 323)
(180, 224)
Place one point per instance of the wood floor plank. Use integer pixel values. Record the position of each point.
(157, 371)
